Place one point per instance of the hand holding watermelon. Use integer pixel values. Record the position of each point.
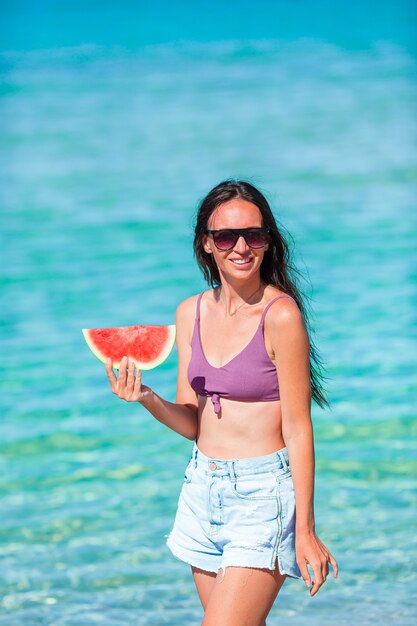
(128, 386)
(127, 347)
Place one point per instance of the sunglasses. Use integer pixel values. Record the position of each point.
(227, 238)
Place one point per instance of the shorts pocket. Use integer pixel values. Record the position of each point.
(283, 476)
(256, 486)
(189, 470)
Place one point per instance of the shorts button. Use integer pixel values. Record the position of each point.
(212, 466)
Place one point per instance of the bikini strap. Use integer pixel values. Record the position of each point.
(197, 312)
(265, 311)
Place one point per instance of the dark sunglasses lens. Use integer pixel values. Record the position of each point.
(255, 238)
(225, 240)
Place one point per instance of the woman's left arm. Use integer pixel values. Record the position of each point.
(290, 343)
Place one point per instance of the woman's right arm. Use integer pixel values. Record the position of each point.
(180, 416)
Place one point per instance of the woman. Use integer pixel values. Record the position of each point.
(244, 390)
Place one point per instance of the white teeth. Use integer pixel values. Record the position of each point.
(241, 261)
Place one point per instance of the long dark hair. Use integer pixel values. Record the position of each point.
(276, 269)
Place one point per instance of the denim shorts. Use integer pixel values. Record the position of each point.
(237, 512)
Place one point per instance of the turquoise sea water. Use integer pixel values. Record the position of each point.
(113, 127)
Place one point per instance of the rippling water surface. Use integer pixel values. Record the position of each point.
(107, 151)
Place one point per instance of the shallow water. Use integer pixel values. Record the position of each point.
(108, 149)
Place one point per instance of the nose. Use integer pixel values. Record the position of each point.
(241, 245)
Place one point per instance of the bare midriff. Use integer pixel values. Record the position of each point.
(242, 429)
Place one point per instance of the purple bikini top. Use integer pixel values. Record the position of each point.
(249, 376)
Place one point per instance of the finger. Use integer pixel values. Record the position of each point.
(334, 564)
(138, 384)
(305, 573)
(324, 570)
(315, 587)
(317, 578)
(130, 376)
(111, 375)
(122, 374)
(324, 563)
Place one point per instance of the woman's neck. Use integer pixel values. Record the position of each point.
(234, 296)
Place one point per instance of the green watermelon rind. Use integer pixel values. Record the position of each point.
(162, 356)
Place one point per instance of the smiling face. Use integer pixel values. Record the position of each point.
(241, 262)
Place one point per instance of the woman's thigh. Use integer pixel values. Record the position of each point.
(204, 581)
(243, 597)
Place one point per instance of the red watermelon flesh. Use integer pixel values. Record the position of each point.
(148, 346)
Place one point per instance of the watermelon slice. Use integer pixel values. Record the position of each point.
(148, 346)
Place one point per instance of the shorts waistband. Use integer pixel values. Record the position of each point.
(247, 465)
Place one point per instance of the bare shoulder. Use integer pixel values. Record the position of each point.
(284, 313)
(185, 316)
(286, 333)
(184, 320)
(186, 309)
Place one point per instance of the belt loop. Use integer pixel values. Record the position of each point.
(232, 471)
(195, 454)
(284, 461)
